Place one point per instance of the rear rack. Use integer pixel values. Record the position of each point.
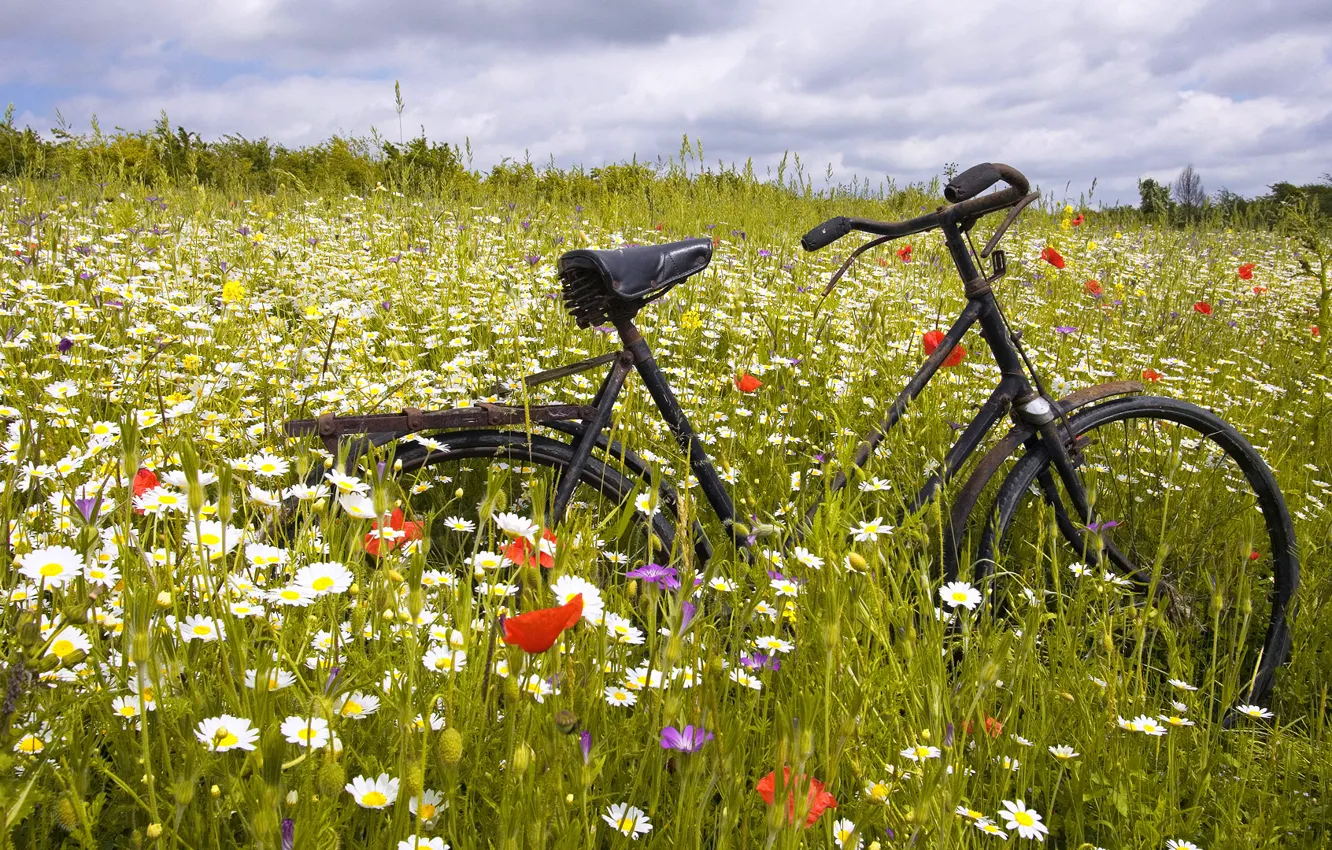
(383, 427)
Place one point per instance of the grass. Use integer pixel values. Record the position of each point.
(175, 332)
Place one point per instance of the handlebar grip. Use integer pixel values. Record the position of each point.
(972, 182)
(826, 234)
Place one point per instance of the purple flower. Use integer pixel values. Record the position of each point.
(533, 259)
(1065, 329)
(690, 611)
(760, 661)
(243, 230)
(65, 344)
(687, 740)
(288, 833)
(1102, 526)
(86, 507)
(332, 677)
(667, 578)
(764, 252)
(585, 744)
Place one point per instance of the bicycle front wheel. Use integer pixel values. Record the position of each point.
(1188, 568)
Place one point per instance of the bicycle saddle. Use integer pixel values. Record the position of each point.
(636, 275)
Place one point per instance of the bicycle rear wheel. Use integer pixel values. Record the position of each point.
(456, 484)
(1189, 568)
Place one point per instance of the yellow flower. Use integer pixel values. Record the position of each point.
(233, 291)
(1091, 246)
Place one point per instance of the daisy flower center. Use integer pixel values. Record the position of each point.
(62, 647)
(52, 569)
(374, 798)
(322, 583)
(1023, 818)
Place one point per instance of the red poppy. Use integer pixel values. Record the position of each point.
(1053, 257)
(1079, 220)
(376, 544)
(1255, 555)
(747, 383)
(1259, 290)
(1202, 307)
(144, 480)
(904, 253)
(1151, 375)
(1093, 287)
(932, 339)
(660, 226)
(992, 726)
(1313, 329)
(819, 799)
(1246, 271)
(536, 631)
(523, 553)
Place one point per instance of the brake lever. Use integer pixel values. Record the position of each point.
(837, 275)
(1008, 222)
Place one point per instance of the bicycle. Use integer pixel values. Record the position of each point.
(1071, 493)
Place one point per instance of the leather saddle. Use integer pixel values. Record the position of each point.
(630, 276)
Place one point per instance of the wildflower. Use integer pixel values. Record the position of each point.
(1063, 752)
(305, 731)
(1026, 821)
(1182, 685)
(620, 696)
(1148, 726)
(386, 533)
(1246, 271)
(1180, 844)
(1255, 711)
(843, 829)
(224, 732)
(199, 628)
(214, 538)
(375, 793)
(933, 339)
(1053, 257)
(566, 587)
(358, 705)
(904, 253)
(871, 530)
(961, 593)
(442, 659)
(68, 641)
(920, 752)
(522, 552)
(817, 798)
(324, 577)
(125, 706)
(772, 643)
(808, 558)
(53, 565)
(1202, 307)
(1077, 220)
(1093, 287)
(426, 805)
(516, 526)
(1151, 375)
(144, 480)
(454, 523)
(969, 814)
(665, 577)
(347, 484)
(358, 505)
(536, 631)
(747, 383)
(629, 820)
(420, 842)
(690, 739)
(989, 827)
(1176, 720)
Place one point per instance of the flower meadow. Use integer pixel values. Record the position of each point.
(216, 636)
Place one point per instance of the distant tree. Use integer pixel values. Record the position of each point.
(1155, 197)
(1188, 190)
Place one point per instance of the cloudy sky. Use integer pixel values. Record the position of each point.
(1067, 92)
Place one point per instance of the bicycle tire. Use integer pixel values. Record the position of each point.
(1142, 418)
(554, 456)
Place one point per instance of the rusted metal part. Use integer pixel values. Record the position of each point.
(969, 495)
(413, 420)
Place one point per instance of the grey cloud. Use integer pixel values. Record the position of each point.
(1067, 93)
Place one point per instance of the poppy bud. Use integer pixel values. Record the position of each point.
(856, 560)
(522, 757)
(331, 779)
(566, 721)
(65, 815)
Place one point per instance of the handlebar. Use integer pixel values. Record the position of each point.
(961, 191)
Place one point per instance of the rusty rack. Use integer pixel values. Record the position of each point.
(383, 427)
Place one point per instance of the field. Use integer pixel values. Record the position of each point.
(183, 678)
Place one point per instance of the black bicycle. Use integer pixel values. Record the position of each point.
(1149, 497)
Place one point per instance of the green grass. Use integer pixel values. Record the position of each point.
(200, 321)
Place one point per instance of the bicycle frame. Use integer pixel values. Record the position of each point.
(981, 309)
